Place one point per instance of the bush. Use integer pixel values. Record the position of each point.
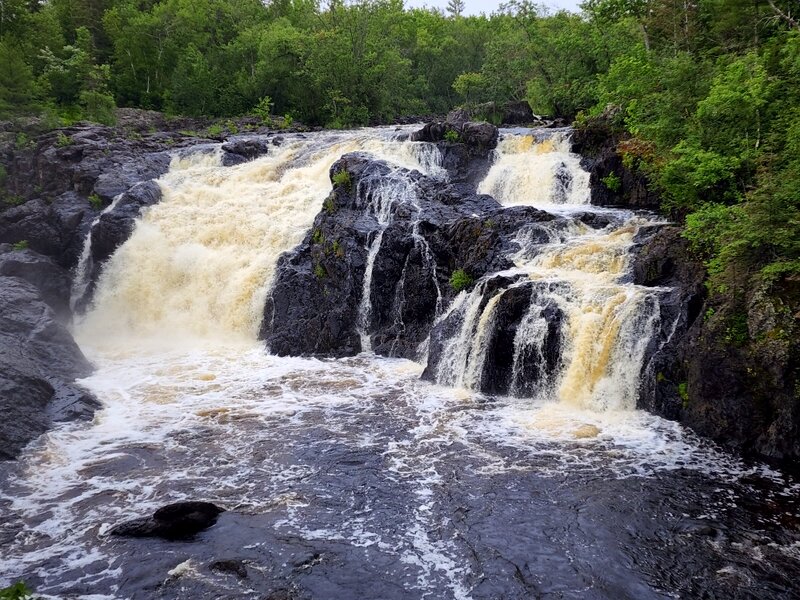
(63, 140)
(96, 201)
(451, 135)
(18, 591)
(460, 280)
(612, 182)
(263, 110)
(21, 245)
(320, 271)
(343, 178)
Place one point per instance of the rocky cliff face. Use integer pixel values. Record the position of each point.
(55, 187)
(729, 369)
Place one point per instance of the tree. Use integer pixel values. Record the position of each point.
(455, 8)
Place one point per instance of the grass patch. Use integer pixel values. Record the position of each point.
(612, 182)
(21, 245)
(96, 201)
(320, 271)
(17, 591)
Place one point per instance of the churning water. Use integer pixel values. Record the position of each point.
(352, 478)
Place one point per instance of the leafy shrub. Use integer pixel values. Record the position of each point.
(215, 130)
(23, 142)
(318, 237)
(451, 136)
(612, 182)
(96, 201)
(320, 271)
(263, 110)
(330, 205)
(683, 392)
(460, 280)
(343, 178)
(21, 245)
(18, 591)
(63, 140)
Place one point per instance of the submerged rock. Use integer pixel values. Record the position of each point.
(178, 521)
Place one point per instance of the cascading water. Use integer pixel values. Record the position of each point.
(352, 478)
(577, 269)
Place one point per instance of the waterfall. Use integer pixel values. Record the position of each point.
(536, 169)
(199, 263)
(574, 272)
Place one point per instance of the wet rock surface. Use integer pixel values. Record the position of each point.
(426, 230)
(721, 368)
(40, 362)
(614, 179)
(178, 521)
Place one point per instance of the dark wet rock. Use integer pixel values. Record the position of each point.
(728, 370)
(480, 137)
(613, 180)
(430, 230)
(229, 567)
(178, 521)
(111, 230)
(242, 150)
(39, 361)
(49, 278)
(514, 112)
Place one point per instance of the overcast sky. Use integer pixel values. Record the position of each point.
(475, 7)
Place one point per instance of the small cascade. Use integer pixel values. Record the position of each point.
(537, 169)
(82, 277)
(563, 324)
(365, 307)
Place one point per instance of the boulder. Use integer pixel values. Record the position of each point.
(39, 362)
(178, 521)
(415, 230)
(51, 280)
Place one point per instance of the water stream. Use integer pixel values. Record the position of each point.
(352, 478)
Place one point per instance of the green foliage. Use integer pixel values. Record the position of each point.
(320, 271)
(318, 237)
(21, 245)
(96, 201)
(330, 204)
(342, 178)
(3, 175)
(63, 140)
(612, 181)
(451, 136)
(683, 392)
(214, 131)
(460, 280)
(17, 591)
(263, 110)
(22, 141)
(337, 249)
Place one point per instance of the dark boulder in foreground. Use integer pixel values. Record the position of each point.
(39, 361)
(178, 521)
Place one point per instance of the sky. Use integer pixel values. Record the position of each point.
(475, 7)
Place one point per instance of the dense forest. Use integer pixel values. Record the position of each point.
(705, 93)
